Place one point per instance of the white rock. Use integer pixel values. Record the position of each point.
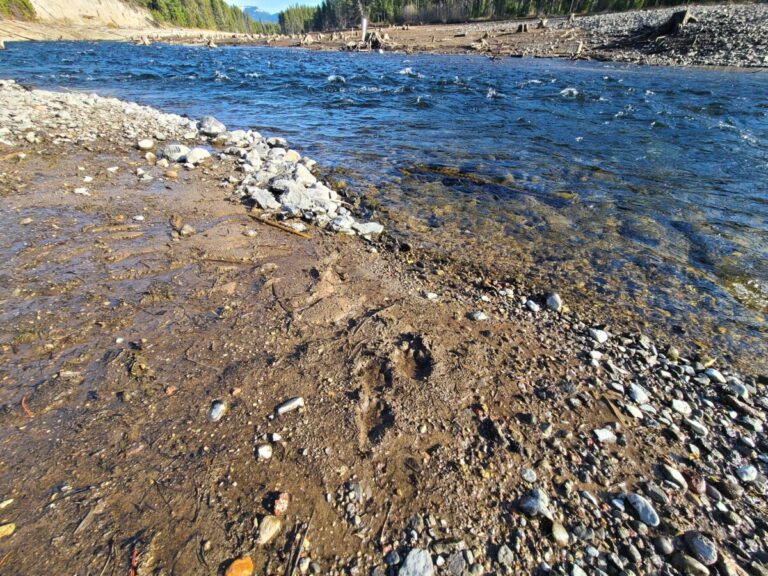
(197, 155)
(368, 228)
(264, 451)
(681, 407)
(478, 316)
(290, 405)
(600, 336)
(605, 436)
(146, 144)
(715, 375)
(554, 302)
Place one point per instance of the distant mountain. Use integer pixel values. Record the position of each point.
(259, 15)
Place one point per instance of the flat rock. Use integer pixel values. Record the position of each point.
(175, 152)
(368, 228)
(645, 511)
(197, 155)
(702, 548)
(269, 527)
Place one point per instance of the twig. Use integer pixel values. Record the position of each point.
(295, 559)
(384, 524)
(109, 557)
(24, 406)
(11, 155)
(133, 560)
(282, 227)
(4, 558)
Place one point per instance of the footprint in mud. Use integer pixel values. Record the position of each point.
(374, 415)
(413, 358)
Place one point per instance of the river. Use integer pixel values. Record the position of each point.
(639, 193)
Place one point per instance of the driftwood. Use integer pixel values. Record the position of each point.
(542, 24)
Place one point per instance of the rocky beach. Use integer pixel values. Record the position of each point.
(216, 360)
(731, 35)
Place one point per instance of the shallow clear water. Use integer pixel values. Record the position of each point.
(647, 187)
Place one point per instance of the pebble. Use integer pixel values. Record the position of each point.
(146, 144)
(681, 407)
(560, 534)
(269, 527)
(478, 316)
(689, 566)
(7, 530)
(505, 556)
(240, 567)
(532, 306)
(605, 436)
(264, 451)
(554, 302)
(715, 375)
(290, 405)
(664, 545)
(418, 562)
(197, 156)
(698, 428)
(186, 231)
(535, 503)
(702, 547)
(600, 336)
(645, 511)
(675, 476)
(747, 473)
(217, 410)
(639, 394)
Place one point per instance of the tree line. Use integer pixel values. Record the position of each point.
(208, 14)
(340, 14)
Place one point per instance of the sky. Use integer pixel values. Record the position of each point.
(273, 6)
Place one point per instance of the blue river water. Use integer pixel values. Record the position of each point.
(643, 190)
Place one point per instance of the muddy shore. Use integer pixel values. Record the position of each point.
(153, 324)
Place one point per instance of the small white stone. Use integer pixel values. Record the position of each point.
(146, 144)
(478, 316)
(605, 436)
(600, 336)
(715, 375)
(681, 407)
(264, 451)
(554, 302)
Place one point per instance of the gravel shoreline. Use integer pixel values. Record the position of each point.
(434, 425)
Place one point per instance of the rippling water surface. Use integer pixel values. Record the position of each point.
(645, 187)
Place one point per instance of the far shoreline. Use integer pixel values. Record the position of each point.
(610, 37)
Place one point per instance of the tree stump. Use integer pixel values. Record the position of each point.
(677, 21)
